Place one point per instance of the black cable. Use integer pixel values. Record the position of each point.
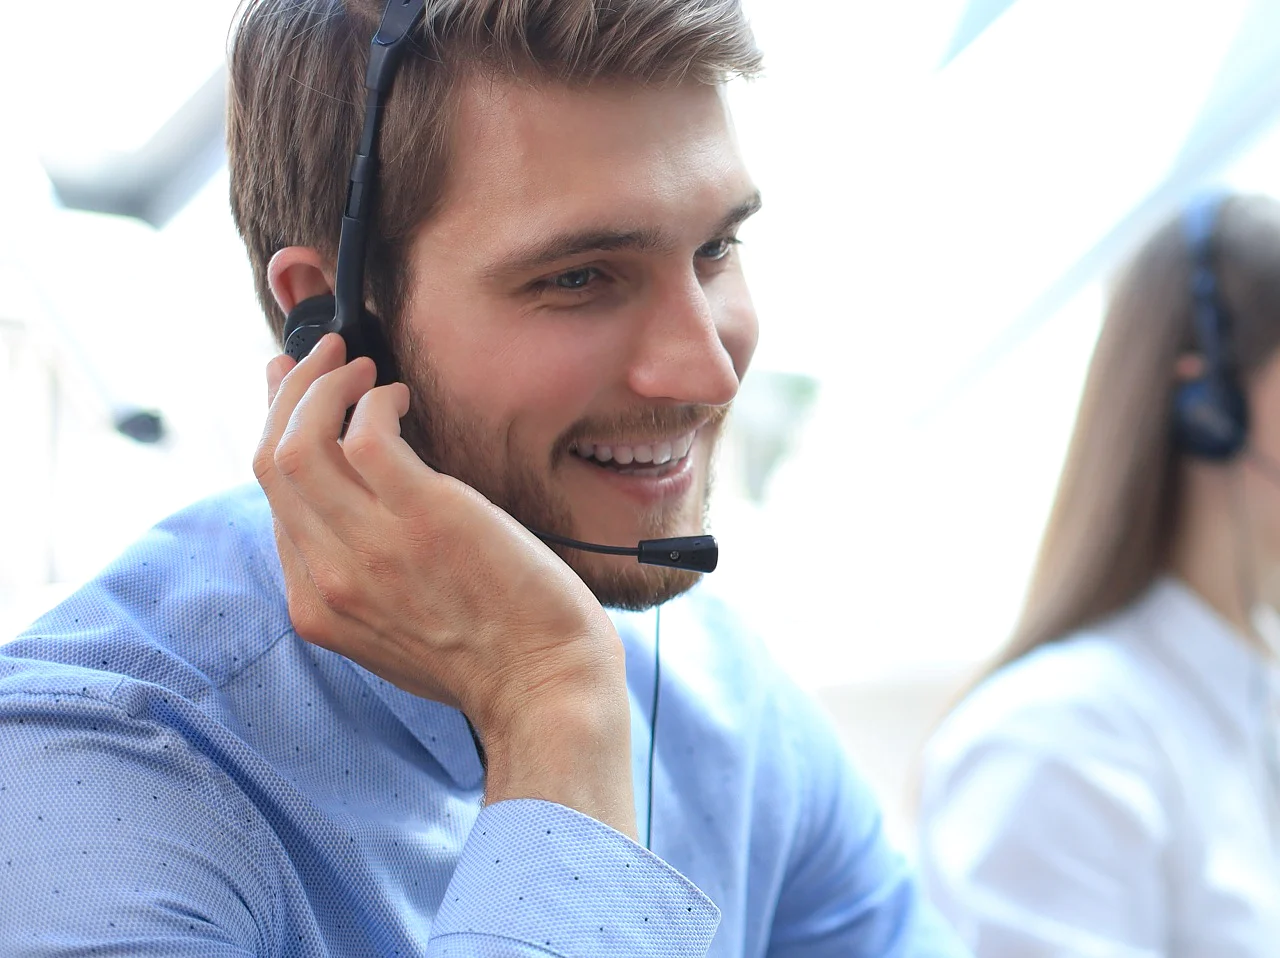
(653, 721)
(585, 546)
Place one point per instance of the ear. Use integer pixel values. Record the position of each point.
(296, 273)
(1188, 367)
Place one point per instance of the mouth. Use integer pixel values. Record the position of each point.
(641, 459)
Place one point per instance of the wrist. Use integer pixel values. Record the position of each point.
(567, 742)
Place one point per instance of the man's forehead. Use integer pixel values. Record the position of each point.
(538, 150)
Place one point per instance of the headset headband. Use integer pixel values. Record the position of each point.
(385, 53)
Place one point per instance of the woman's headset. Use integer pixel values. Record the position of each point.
(1210, 412)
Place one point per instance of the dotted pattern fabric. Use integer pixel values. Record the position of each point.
(575, 891)
(180, 774)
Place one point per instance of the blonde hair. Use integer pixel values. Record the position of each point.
(1114, 516)
(296, 101)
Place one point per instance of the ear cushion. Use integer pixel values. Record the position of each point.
(310, 320)
(1210, 419)
(307, 324)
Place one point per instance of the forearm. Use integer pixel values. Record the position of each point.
(570, 745)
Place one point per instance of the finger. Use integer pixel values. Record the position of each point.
(383, 460)
(289, 391)
(311, 617)
(328, 355)
(309, 455)
(304, 527)
(276, 371)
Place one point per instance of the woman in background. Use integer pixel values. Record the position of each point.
(1112, 788)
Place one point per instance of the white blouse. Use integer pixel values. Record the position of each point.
(1114, 794)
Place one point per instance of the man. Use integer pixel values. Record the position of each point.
(391, 721)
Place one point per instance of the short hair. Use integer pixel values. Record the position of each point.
(296, 101)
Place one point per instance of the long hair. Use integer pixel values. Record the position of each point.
(1115, 515)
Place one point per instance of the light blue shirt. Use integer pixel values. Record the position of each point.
(180, 774)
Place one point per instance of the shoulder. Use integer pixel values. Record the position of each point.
(1092, 687)
(185, 607)
(723, 660)
(1075, 730)
(739, 699)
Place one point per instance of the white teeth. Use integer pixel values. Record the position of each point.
(656, 454)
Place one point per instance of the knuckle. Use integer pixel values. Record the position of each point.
(264, 463)
(333, 591)
(288, 458)
(361, 446)
(309, 618)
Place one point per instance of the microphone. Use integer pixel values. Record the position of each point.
(695, 553)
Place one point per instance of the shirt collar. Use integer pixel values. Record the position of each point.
(1213, 658)
(441, 730)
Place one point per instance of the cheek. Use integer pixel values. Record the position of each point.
(531, 379)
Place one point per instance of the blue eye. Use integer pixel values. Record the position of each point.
(576, 279)
(718, 249)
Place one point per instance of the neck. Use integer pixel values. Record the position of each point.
(1213, 554)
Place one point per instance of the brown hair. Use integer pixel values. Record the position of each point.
(1112, 525)
(296, 101)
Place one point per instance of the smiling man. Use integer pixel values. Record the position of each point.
(361, 708)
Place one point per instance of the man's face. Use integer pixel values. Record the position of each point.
(578, 322)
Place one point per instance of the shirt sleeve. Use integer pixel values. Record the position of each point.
(1053, 852)
(116, 839)
(537, 878)
(848, 892)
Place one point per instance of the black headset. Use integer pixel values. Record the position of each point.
(1210, 412)
(345, 313)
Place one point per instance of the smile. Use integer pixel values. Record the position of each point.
(637, 458)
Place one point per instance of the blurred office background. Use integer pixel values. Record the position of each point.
(948, 184)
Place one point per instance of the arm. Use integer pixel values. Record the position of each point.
(116, 839)
(537, 878)
(1033, 851)
(847, 891)
(421, 580)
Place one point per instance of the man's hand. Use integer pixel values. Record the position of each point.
(423, 581)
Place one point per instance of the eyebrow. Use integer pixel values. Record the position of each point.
(531, 257)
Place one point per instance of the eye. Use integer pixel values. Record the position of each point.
(717, 249)
(576, 279)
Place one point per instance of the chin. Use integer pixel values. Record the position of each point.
(623, 583)
(620, 582)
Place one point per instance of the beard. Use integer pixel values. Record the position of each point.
(452, 441)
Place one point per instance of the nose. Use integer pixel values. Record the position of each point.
(694, 347)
